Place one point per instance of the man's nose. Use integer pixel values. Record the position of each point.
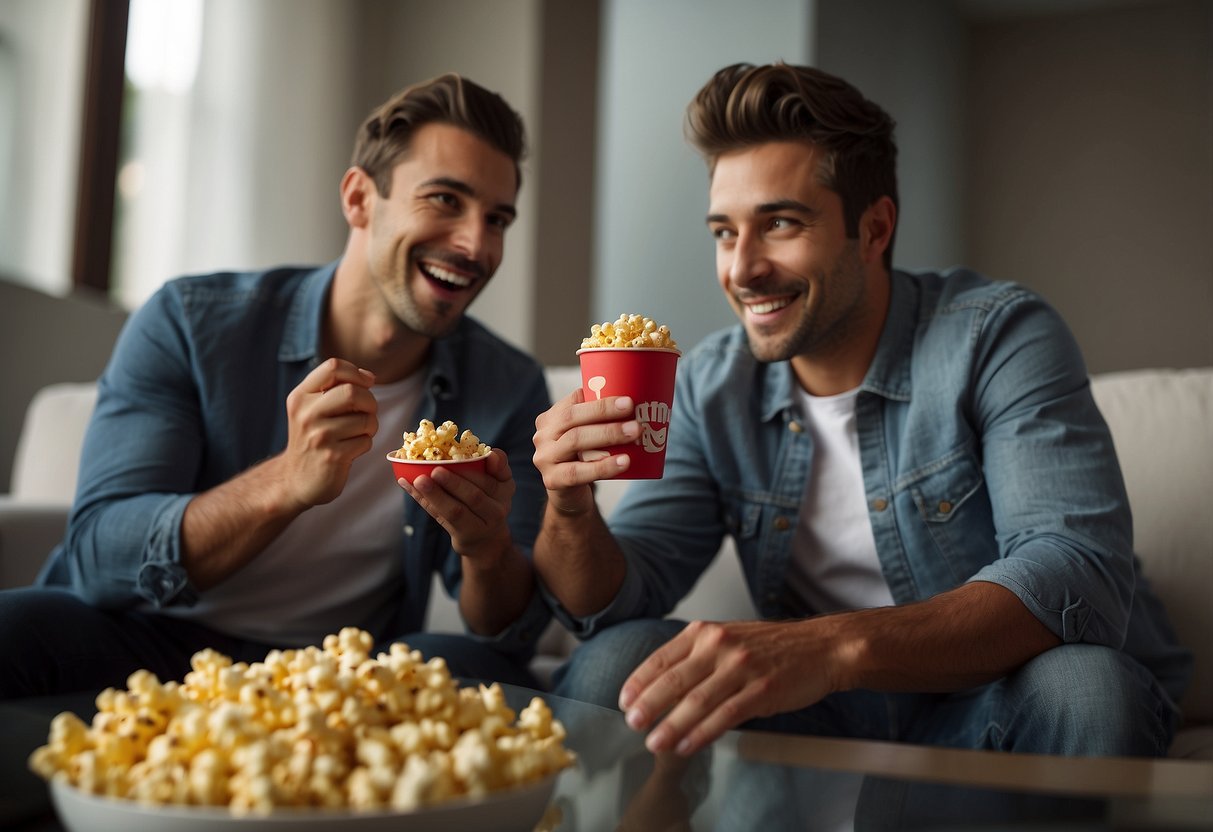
(469, 237)
(749, 259)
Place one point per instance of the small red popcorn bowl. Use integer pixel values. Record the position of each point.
(411, 469)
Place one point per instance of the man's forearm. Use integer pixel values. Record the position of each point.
(494, 596)
(227, 526)
(968, 636)
(578, 560)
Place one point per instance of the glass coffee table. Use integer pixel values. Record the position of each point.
(763, 781)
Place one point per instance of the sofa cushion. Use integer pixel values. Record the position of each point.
(48, 451)
(1162, 426)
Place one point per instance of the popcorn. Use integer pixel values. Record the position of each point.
(434, 443)
(317, 727)
(629, 331)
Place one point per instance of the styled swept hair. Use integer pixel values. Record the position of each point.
(744, 105)
(384, 138)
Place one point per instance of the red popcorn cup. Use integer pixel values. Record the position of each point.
(647, 375)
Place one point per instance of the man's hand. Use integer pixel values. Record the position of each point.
(567, 440)
(474, 507)
(713, 676)
(331, 420)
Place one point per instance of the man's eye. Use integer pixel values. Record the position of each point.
(449, 200)
(501, 221)
(723, 233)
(779, 223)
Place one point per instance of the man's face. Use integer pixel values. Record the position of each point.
(782, 255)
(438, 238)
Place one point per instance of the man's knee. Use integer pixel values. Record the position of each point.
(600, 665)
(1083, 699)
(37, 626)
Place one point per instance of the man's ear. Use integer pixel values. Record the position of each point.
(357, 194)
(876, 229)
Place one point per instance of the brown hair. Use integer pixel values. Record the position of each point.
(384, 138)
(745, 105)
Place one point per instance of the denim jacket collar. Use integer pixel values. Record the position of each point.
(889, 374)
(301, 335)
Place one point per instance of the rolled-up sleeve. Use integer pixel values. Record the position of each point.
(138, 470)
(1064, 531)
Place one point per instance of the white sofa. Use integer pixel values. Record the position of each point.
(1161, 421)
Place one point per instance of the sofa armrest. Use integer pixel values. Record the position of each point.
(28, 532)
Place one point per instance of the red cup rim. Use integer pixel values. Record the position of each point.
(629, 349)
(391, 457)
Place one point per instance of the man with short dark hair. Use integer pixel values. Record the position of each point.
(925, 500)
(234, 492)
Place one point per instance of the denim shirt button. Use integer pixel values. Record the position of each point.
(879, 504)
(795, 427)
(408, 530)
(781, 523)
(944, 507)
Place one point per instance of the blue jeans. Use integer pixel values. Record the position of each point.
(1076, 699)
(52, 642)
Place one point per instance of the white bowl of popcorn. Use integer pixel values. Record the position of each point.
(519, 809)
(313, 738)
(429, 448)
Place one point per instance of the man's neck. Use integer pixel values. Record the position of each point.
(359, 328)
(843, 366)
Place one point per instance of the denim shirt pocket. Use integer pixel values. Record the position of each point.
(951, 500)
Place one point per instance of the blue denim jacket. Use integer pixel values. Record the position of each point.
(984, 458)
(195, 393)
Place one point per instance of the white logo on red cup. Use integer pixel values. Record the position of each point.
(652, 439)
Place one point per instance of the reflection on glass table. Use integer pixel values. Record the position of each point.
(762, 781)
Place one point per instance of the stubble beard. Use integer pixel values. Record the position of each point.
(827, 325)
(404, 304)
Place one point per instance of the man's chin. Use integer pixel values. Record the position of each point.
(768, 349)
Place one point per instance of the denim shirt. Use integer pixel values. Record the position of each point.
(195, 394)
(984, 458)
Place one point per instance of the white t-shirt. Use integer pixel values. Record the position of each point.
(334, 565)
(834, 564)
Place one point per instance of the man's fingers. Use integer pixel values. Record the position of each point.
(333, 372)
(703, 720)
(637, 692)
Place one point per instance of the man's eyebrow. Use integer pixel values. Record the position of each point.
(768, 208)
(783, 205)
(467, 190)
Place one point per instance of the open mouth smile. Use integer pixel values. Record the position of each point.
(767, 306)
(445, 277)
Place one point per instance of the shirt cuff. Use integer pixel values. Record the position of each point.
(522, 635)
(1067, 620)
(624, 606)
(161, 579)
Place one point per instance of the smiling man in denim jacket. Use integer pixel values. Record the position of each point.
(234, 492)
(926, 502)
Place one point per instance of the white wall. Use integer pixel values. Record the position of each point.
(653, 254)
(41, 83)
